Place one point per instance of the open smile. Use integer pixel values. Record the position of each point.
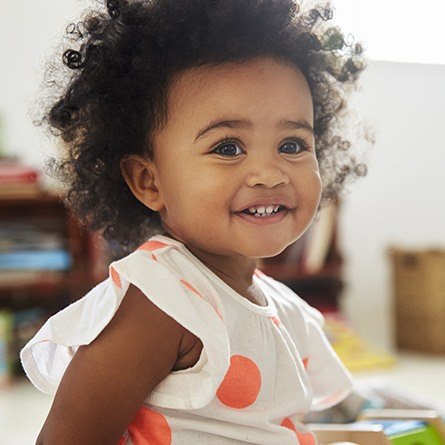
(262, 215)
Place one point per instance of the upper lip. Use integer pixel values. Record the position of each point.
(269, 201)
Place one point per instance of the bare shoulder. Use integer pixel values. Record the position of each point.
(107, 381)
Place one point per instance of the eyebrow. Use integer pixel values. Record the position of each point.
(246, 123)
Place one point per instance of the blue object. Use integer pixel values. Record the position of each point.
(409, 432)
(57, 259)
(396, 427)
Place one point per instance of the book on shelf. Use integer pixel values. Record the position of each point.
(319, 240)
(25, 324)
(16, 329)
(20, 190)
(32, 246)
(13, 278)
(18, 180)
(6, 333)
(43, 234)
(13, 172)
(309, 253)
(56, 259)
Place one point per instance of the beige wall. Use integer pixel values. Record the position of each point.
(401, 201)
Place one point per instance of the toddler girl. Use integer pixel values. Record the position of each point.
(199, 136)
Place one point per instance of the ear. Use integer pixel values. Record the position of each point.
(140, 174)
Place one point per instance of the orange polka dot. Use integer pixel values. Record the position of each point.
(276, 320)
(289, 424)
(153, 257)
(116, 278)
(150, 428)
(305, 362)
(152, 245)
(241, 384)
(304, 438)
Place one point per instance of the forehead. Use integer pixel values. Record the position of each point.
(261, 90)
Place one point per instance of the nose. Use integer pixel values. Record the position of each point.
(266, 172)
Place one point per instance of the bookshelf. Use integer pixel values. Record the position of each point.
(40, 223)
(47, 261)
(46, 215)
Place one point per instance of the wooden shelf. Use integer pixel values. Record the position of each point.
(18, 200)
(321, 288)
(48, 212)
(46, 236)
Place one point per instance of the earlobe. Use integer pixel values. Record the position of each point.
(140, 174)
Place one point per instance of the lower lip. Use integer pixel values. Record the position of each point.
(263, 220)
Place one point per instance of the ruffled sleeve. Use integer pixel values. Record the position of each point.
(47, 355)
(329, 380)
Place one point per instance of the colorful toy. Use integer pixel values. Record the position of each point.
(386, 427)
(409, 432)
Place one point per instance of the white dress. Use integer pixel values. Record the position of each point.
(260, 370)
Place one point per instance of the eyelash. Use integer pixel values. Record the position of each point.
(229, 140)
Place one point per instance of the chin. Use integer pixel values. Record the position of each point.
(262, 251)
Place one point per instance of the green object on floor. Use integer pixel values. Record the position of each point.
(411, 432)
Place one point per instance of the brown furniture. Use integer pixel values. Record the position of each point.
(54, 289)
(321, 288)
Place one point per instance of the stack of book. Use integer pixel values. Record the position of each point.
(6, 361)
(29, 253)
(16, 329)
(18, 180)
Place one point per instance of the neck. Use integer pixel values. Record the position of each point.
(237, 272)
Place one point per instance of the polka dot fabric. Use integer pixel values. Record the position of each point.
(260, 369)
(303, 436)
(241, 384)
(150, 428)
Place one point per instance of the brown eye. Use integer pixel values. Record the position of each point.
(228, 149)
(293, 147)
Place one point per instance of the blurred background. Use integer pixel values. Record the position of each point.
(375, 264)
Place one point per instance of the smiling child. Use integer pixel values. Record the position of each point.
(200, 136)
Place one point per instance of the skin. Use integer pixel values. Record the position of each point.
(198, 192)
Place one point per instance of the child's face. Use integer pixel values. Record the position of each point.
(203, 192)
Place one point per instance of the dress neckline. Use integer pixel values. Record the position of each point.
(257, 280)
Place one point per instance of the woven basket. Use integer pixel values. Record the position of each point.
(419, 299)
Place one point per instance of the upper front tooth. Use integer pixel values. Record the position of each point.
(264, 209)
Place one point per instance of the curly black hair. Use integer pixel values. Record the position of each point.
(115, 92)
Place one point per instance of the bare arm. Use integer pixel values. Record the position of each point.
(107, 381)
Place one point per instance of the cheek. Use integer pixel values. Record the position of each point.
(187, 192)
(310, 187)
